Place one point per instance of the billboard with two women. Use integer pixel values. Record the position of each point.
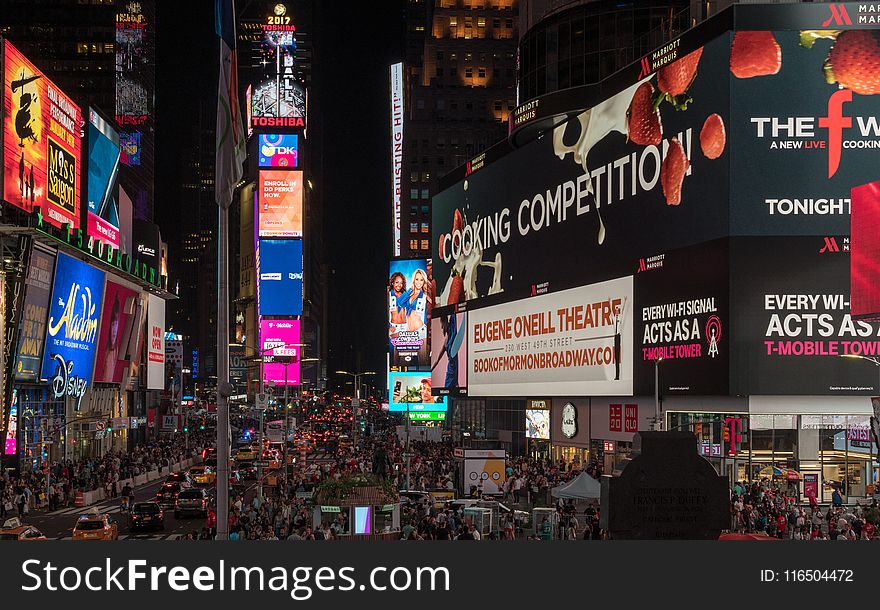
(410, 298)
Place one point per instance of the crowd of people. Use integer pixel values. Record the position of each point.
(771, 509)
(29, 490)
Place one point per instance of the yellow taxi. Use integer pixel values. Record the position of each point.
(246, 454)
(13, 529)
(273, 458)
(95, 526)
(203, 475)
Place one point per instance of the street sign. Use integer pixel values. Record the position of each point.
(355, 402)
(100, 425)
(261, 464)
(262, 401)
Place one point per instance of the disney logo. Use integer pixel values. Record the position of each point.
(66, 384)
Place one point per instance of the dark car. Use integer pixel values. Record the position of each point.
(247, 471)
(167, 494)
(192, 501)
(181, 477)
(145, 515)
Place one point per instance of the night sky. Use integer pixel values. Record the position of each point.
(353, 45)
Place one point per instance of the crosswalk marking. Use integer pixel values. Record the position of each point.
(157, 536)
(85, 510)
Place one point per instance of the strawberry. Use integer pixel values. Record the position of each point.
(755, 54)
(442, 249)
(458, 221)
(854, 61)
(712, 137)
(674, 80)
(643, 117)
(456, 290)
(672, 172)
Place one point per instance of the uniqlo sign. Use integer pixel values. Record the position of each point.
(631, 418)
(615, 418)
(623, 418)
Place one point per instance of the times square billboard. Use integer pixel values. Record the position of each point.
(749, 144)
(42, 142)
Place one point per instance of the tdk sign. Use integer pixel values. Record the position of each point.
(278, 150)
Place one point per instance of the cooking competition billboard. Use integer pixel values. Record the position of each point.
(617, 182)
(575, 342)
(410, 300)
(42, 142)
(280, 203)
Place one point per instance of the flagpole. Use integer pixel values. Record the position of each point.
(222, 374)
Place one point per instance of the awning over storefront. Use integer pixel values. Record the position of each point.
(799, 405)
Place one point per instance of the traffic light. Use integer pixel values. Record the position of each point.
(725, 434)
(186, 428)
(201, 426)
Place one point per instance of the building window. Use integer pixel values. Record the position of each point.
(426, 175)
(508, 23)
(414, 177)
(453, 105)
(481, 72)
(441, 104)
(440, 161)
(426, 228)
(497, 105)
(425, 245)
(413, 244)
(413, 193)
(481, 22)
(438, 72)
(413, 210)
(469, 105)
(453, 21)
(420, 104)
(468, 72)
(441, 142)
(426, 209)
(413, 227)
(425, 194)
(496, 23)
(439, 55)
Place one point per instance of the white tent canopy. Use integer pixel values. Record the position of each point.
(581, 487)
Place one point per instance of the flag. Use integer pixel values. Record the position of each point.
(231, 150)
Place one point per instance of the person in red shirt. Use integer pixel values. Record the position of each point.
(781, 523)
(211, 521)
(868, 531)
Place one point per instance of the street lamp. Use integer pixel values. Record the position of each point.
(658, 421)
(356, 401)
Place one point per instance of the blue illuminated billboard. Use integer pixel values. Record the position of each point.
(280, 277)
(278, 150)
(72, 331)
(411, 391)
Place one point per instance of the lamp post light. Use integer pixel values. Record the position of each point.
(356, 401)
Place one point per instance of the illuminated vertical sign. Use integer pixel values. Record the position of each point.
(396, 148)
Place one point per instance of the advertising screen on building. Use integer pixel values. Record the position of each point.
(799, 141)
(147, 243)
(104, 156)
(280, 272)
(280, 203)
(155, 343)
(72, 330)
(278, 150)
(449, 354)
(397, 113)
(576, 206)
(682, 320)
(32, 331)
(130, 145)
(282, 337)
(576, 342)
(42, 143)
(110, 360)
(279, 99)
(538, 424)
(410, 296)
(793, 327)
(12, 427)
(409, 391)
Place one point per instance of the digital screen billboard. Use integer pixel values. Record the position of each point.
(280, 203)
(409, 391)
(278, 150)
(410, 300)
(104, 157)
(574, 207)
(793, 327)
(280, 272)
(130, 145)
(32, 330)
(397, 115)
(538, 424)
(449, 354)
(111, 361)
(576, 342)
(278, 99)
(72, 330)
(284, 337)
(42, 141)
(155, 342)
